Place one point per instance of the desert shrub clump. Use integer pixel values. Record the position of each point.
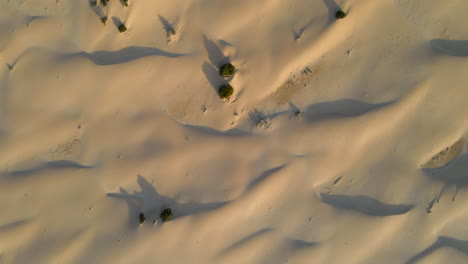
(227, 70)
(104, 20)
(166, 214)
(340, 14)
(122, 28)
(225, 91)
(142, 218)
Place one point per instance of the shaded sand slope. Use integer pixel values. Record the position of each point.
(344, 141)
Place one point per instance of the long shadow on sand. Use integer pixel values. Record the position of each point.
(212, 75)
(333, 7)
(151, 203)
(455, 173)
(442, 241)
(340, 108)
(216, 58)
(56, 164)
(215, 54)
(364, 205)
(218, 133)
(458, 48)
(103, 57)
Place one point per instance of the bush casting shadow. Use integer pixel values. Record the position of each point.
(149, 201)
(225, 91)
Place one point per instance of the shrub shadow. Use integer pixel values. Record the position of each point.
(165, 23)
(215, 55)
(212, 75)
(117, 21)
(333, 7)
(98, 11)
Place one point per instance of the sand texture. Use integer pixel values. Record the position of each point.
(343, 141)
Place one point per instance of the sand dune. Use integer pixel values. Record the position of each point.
(344, 141)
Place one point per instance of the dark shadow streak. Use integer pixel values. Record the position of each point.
(340, 108)
(212, 75)
(215, 55)
(364, 205)
(151, 203)
(15, 224)
(58, 164)
(126, 55)
(458, 48)
(214, 132)
(301, 244)
(165, 23)
(442, 241)
(117, 22)
(333, 7)
(98, 11)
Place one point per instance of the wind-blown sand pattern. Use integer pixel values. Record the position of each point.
(344, 141)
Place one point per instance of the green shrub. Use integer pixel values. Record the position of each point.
(122, 28)
(171, 32)
(225, 91)
(104, 2)
(340, 15)
(142, 218)
(227, 70)
(125, 3)
(166, 214)
(104, 19)
(93, 3)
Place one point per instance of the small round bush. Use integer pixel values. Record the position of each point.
(93, 3)
(104, 2)
(340, 15)
(225, 91)
(104, 20)
(125, 3)
(227, 70)
(166, 214)
(122, 28)
(142, 218)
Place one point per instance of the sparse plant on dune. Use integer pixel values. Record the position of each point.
(125, 3)
(122, 28)
(227, 70)
(93, 3)
(104, 2)
(142, 218)
(166, 214)
(104, 20)
(340, 14)
(225, 91)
